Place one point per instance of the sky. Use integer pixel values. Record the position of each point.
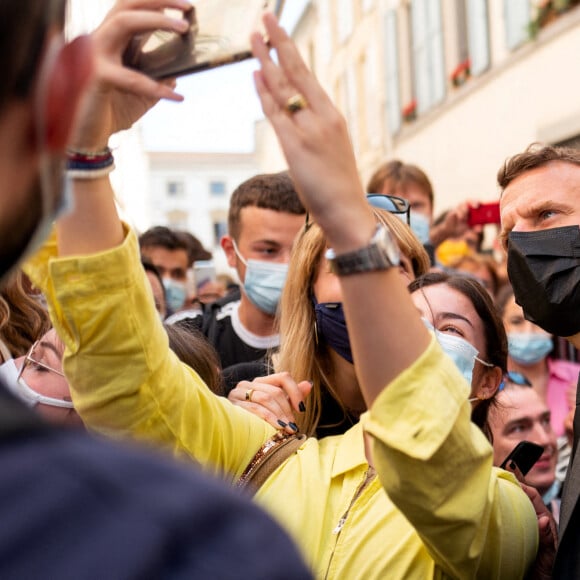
(220, 108)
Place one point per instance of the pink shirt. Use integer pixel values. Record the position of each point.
(563, 376)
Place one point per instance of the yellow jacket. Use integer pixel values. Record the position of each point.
(437, 508)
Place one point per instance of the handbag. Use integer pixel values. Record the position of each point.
(268, 458)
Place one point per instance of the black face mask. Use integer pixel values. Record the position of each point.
(544, 270)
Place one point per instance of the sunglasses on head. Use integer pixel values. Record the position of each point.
(516, 378)
(391, 203)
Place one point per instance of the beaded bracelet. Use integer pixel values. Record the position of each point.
(89, 164)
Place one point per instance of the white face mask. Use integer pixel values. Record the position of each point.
(17, 386)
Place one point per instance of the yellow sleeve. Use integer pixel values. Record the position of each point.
(125, 381)
(436, 466)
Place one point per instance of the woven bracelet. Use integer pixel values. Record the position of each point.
(89, 164)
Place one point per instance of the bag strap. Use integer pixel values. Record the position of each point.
(268, 458)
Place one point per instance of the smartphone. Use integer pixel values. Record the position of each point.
(219, 34)
(203, 273)
(484, 213)
(523, 456)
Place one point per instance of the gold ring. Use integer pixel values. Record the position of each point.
(296, 103)
(249, 395)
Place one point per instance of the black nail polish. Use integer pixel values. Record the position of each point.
(302, 407)
(282, 424)
(294, 426)
(512, 465)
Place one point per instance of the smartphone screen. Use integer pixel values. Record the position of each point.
(219, 34)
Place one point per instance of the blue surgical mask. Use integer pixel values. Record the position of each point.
(264, 282)
(461, 352)
(331, 327)
(527, 348)
(420, 225)
(175, 294)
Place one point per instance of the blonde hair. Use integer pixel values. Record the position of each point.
(299, 353)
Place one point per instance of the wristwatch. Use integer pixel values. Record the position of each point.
(382, 253)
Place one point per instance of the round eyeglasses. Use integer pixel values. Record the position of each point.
(29, 395)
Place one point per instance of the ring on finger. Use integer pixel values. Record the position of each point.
(296, 103)
(249, 394)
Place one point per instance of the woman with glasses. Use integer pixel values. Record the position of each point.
(38, 380)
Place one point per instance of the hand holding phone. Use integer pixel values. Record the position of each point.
(523, 456)
(219, 33)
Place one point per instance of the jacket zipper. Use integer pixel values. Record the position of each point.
(368, 477)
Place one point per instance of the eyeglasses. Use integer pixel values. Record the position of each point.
(516, 378)
(29, 395)
(391, 203)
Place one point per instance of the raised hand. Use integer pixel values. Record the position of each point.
(120, 96)
(314, 138)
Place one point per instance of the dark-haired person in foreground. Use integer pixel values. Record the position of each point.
(73, 506)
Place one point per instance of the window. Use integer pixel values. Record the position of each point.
(371, 90)
(175, 188)
(472, 34)
(220, 229)
(478, 35)
(392, 72)
(217, 188)
(177, 219)
(344, 19)
(351, 105)
(517, 19)
(427, 34)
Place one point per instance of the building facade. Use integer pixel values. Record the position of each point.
(455, 86)
(192, 191)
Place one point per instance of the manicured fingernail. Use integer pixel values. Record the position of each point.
(282, 424)
(293, 426)
(512, 465)
(302, 407)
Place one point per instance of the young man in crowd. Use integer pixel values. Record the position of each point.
(411, 183)
(73, 506)
(540, 215)
(172, 253)
(265, 215)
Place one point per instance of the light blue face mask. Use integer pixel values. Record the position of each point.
(420, 226)
(175, 294)
(264, 282)
(528, 348)
(461, 352)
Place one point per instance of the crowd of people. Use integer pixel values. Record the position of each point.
(363, 375)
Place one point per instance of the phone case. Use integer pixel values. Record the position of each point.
(523, 455)
(485, 213)
(219, 34)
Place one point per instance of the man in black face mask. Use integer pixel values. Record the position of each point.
(540, 215)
